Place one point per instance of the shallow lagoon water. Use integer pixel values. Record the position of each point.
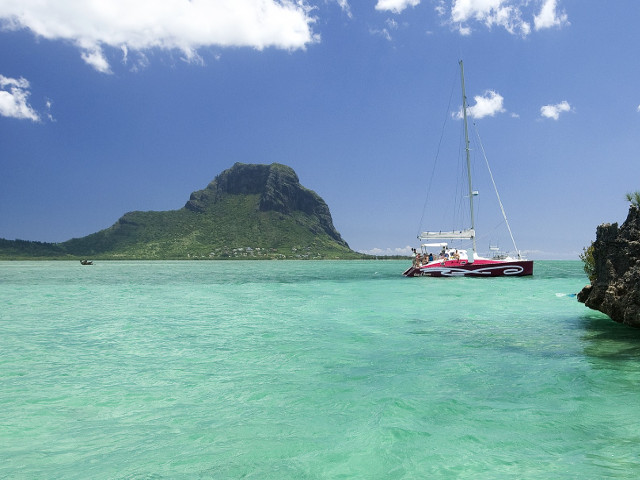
(310, 370)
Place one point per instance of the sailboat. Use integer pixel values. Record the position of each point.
(446, 261)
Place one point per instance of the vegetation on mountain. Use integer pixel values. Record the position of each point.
(248, 211)
(25, 250)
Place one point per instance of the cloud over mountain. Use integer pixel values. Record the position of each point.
(186, 26)
(138, 25)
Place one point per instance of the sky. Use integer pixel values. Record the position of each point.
(112, 106)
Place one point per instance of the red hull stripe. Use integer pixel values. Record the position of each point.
(479, 268)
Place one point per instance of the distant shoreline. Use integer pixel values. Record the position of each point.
(242, 259)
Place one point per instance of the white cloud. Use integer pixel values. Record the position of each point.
(464, 31)
(396, 6)
(511, 15)
(95, 57)
(49, 104)
(386, 32)
(168, 24)
(13, 99)
(549, 17)
(491, 13)
(346, 8)
(486, 106)
(554, 111)
(403, 251)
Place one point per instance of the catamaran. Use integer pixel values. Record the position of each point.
(437, 258)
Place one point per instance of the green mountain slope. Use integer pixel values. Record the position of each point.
(248, 211)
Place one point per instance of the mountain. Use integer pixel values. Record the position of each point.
(248, 211)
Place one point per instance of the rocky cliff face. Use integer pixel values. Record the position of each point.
(615, 289)
(279, 189)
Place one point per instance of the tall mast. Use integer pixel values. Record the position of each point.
(466, 145)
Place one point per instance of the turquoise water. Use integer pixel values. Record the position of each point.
(310, 370)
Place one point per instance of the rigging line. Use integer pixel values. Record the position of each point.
(435, 162)
(495, 188)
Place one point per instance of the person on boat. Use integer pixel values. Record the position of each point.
(456, 256)
(431, 257)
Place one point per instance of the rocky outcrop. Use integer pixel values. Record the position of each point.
(241, 179)
(279, 189)
(615, 288)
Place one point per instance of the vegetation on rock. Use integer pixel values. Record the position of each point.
(633, 198)
(589, 263)
(613, 265)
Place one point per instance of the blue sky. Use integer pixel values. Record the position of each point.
(113, 106)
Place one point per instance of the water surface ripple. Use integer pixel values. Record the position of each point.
(309, 370)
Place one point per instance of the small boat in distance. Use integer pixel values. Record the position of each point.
(454, 262)
(86, 262)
